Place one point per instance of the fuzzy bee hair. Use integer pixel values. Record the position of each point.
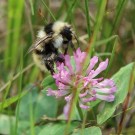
(51, 41)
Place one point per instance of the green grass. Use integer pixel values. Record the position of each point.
(15, 13)
(88, 18)
(107, 36)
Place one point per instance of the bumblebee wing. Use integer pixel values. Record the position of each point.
(37, 43)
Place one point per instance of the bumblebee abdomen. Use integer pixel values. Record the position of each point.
(38, 59)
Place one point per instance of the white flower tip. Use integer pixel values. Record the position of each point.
(78, 50)
(49, 92)
(66, 110)
(107, 60)
(104, 64)
(111, 98)
(84, 106)
(95, 58)
(113, 89)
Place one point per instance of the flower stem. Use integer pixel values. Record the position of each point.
(79, 111)
(84, 121)
(72, 105)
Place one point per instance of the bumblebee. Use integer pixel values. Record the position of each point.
(52, 41)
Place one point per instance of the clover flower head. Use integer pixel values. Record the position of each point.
(89, 86)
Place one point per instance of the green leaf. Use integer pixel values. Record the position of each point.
(6, 123)
(11, 100)
(46, 105)
(88, 131)
(24, 128)
(48, 81)
(56, 129)
(32, 107)
(39, 103)
(94, 103)
(26, 102)
(50, 129)
(122, 80)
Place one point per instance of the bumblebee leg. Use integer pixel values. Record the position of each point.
(59, 58)
(66, 49)
(49, 60)
(49, 65)
(72, 45)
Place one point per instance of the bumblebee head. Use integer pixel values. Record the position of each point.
(61, 28)
(66, 34)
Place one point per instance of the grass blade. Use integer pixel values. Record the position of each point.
(15, 11)
(70, 11)
(88, 18)
(99, 19)
(49, 10)
(118, 14)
